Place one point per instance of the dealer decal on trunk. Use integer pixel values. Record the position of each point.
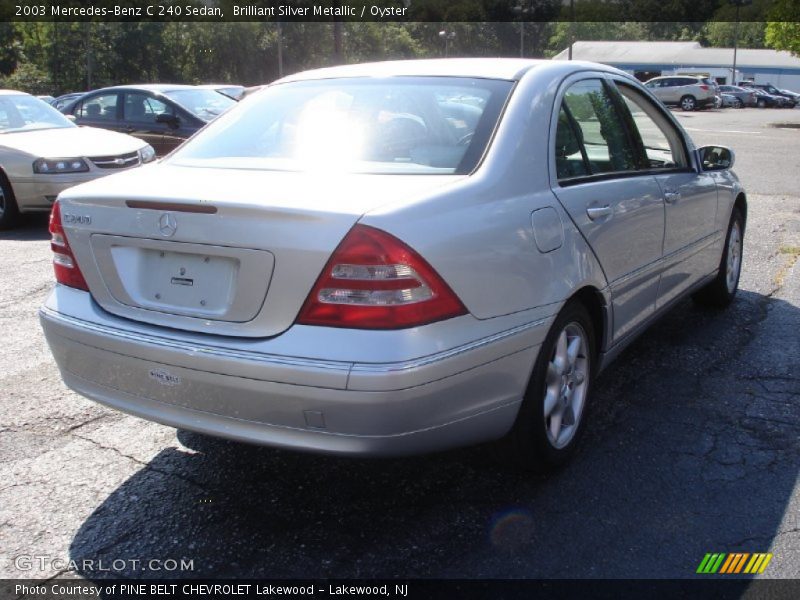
(164, 377)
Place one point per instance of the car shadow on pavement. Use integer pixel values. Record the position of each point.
(32, 227)
(692, 448)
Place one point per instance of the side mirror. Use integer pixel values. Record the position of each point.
(715, 158)
(170, 120)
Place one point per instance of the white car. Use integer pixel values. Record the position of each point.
(43, 153)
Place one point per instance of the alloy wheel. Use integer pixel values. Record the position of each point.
(734, 262)
(566, 385)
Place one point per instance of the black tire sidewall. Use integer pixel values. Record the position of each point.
(736, 217)
(11, 212)
(531, 444)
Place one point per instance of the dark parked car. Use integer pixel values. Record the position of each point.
(163, 115)
(743, 97)
(766, 100)
(64, 101)
(790, 99)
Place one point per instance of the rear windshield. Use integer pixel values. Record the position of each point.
(402, 125)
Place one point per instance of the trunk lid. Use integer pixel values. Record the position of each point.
(223, 251)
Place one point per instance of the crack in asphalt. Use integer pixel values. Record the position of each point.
(148, 466)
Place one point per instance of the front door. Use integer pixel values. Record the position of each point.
(690, 197)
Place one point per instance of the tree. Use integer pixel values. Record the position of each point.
(783, 28)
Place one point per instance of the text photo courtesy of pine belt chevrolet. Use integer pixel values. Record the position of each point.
(42, 153)
(394, 258)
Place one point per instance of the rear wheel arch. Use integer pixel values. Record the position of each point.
(595, 304)
(10, 210)
(741, 204)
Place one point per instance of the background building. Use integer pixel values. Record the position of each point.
(651, 59)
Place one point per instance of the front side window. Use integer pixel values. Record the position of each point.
(141, 108)
(662, 143)
(398, 125)
(605, 142)
(204, 104)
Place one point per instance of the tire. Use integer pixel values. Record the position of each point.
(761, 103)
(561, 385)
(738, 103)
(722, 290)
(688, 103)
(9, 212)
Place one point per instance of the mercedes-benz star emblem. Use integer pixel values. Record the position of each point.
(167, 224)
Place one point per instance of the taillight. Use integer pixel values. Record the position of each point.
(704, 87)
(67, 271)
(375, 281)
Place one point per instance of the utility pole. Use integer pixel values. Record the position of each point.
(571, 28)
(522, 11)
(338, 52)
(447, 36)
(88, 48)
(738, 4)
(280, 49)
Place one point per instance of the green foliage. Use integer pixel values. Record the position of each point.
(78, 56)
(783, 29)
(722, 33)
(784, 36)
(27, 78)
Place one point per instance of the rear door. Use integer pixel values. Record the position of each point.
(690, 197)
(618, 209)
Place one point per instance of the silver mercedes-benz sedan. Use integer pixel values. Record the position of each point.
(393, 258)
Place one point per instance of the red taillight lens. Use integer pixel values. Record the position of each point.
(375, 281)
(704, 87)
(64, 264)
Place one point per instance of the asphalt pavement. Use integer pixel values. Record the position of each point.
(693, 447)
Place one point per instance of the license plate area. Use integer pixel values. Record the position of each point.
(195, 280)
(181, 281)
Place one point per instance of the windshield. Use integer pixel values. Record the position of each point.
(397, 125)
(26, 113)
(205, 104)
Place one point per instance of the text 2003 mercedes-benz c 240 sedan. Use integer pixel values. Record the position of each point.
(393, 258)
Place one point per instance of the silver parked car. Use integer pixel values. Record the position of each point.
(687, 92)
(394, 258)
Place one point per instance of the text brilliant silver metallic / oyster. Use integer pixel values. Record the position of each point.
(394, 258)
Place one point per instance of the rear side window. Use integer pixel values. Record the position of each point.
(99, 108)
(605, 143)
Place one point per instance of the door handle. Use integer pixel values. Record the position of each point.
(597, 212)
(672, 197)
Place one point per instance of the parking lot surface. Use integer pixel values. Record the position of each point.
(693, 446)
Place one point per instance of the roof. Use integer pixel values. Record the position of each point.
(153, 87)
(678, 54)
(12, 93)
(485, 68)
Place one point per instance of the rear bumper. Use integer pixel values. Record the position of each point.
(456, 397)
